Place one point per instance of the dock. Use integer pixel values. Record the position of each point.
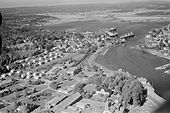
(163, 67)
(167, 72)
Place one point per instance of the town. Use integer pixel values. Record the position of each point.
(61, 78)
(157, 42)
(55, 71)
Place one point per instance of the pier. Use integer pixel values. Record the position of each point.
(167, 72)
(163, 67)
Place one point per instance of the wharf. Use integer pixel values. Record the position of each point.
(163, 67)
(167, 72)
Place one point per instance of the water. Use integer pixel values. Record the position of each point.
(134, 61)
(140, 64)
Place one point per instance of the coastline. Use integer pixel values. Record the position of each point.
(152, 96)
(152, 52)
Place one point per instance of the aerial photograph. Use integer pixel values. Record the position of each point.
(84, 56)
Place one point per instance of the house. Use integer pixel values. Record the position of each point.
(28, 73)
(41, 63)
(112, 109)
(71, 111)
(81, 105)
(48, 60)
(33, 61)
(18, 72)
(113, 99)
(73, 108)
(102, 92)
(23, 76)
(3, 75)
(40, 58)
(71, 70)
(106, 107)
(52, 58)
(99, 98)
(64, 90)
(36, 77)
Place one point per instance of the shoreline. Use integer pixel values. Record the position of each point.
(151, 91)
(152, 52)
(155, 53)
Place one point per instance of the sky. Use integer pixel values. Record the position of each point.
(22, 3)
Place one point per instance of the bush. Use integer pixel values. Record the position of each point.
(134, 93)
(97, 79)
(55, 85)
(79, 87)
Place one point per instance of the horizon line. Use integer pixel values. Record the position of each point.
(70, 4)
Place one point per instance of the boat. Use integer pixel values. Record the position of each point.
(128, 35)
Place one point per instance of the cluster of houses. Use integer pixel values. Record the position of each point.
(66, 101)
(23, 74)
(75, 103)
(33, 62)
(158, 38)
(76, 43)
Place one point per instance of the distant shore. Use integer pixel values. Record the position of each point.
(152, 51)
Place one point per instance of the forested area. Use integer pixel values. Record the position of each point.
(130, 88)
(21, 38)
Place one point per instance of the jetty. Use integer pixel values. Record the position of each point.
(167, 72)
(163, 67)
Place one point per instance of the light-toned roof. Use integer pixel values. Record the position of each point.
(57, 99)
(65, 103)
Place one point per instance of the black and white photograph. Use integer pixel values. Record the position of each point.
(84, 56)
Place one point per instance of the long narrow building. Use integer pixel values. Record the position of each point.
(55, 101)
(66, 102)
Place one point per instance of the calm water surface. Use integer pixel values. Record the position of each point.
(134, 61)
(140, 64)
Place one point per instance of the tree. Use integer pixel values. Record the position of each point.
(55, 84)
(77, 71)
(79, 87)
(87, 94)
(134, 93)
(95, 68)
(25, 92)
(119, 87)
(97, 79)
(138, 94)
